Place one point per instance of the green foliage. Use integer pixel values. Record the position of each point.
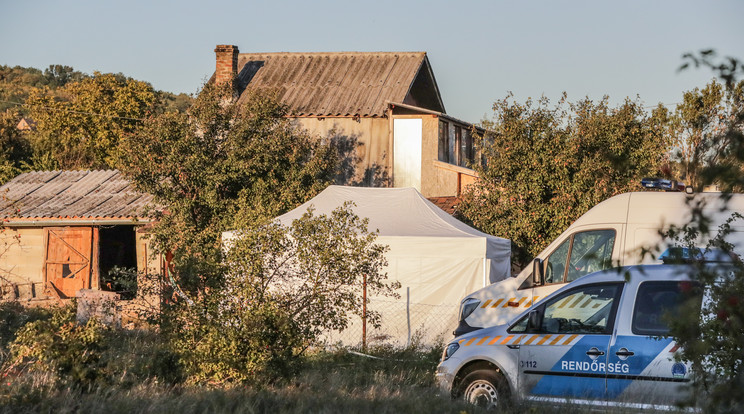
(255, 344)
(711, 336)
(282, 289)
(713, 341)
(315, 269)
(60, 346)
(50, 352)
(707, 154)
(546, 165)
(123, 281)
(17, 83)
(83, 129)
(13, 317)
(223, 166)
(15, 149)
(79, 119)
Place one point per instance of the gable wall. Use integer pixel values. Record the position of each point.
(365, 144)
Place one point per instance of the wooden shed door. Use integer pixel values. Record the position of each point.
(68, 260)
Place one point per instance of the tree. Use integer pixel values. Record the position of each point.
(699, 125)
(282, 288)
(61, 75)
(544, 166)
(713, 340)
(15, 150)
(83, 129)
(222, 166)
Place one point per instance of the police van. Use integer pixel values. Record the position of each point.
(599, 340)
(611, 234)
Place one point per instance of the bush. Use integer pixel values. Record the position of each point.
(712, 340)
(51, 353)
(280, 289)
(60, 346)
(13, 316)
(255, 345)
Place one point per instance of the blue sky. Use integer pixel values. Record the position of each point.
(479, 50)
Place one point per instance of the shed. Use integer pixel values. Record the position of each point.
(63, 231)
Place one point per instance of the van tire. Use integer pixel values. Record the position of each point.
(485, 388)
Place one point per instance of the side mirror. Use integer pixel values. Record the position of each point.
(538, 274)
(534, 320)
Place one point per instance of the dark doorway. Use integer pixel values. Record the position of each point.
(118, 260)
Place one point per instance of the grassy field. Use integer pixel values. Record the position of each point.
(134, 373)
(400, 381)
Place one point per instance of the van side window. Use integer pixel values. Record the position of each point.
(656, 303)
(591, 252)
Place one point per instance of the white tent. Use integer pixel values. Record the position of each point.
(436, 258)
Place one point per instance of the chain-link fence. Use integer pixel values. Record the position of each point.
(402, 323)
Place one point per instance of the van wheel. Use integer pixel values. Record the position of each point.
(484, 388)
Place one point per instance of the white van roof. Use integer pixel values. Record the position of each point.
(654, 207)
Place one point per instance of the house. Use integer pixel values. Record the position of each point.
(383, 110)
(26, 124)
(63, 231)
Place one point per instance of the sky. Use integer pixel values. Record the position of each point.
(479, 50)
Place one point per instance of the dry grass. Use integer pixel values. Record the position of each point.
(401, 381)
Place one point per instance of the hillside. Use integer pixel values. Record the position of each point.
(17, 83)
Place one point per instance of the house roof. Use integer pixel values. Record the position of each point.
(448, 204)
(342, 83)
(76, 195)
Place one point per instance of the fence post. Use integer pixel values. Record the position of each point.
(408, 314)
(364, 314)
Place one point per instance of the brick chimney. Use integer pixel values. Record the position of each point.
(227, 64)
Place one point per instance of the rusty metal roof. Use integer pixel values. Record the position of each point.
(336, 84)
(102, 194)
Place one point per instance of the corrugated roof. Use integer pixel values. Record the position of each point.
(332, 84)
(103, 194)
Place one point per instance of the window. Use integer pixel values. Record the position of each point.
(444, 141)
(486, 143)
(555, 266)
(581, 254)
(654, 301)
(467, 148)
(584, 310)
(458, 158)
(591, 252)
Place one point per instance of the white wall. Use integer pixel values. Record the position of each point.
(407, 153)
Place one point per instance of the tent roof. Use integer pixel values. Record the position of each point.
(392, 211)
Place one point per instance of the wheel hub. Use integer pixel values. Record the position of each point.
(482, 394)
